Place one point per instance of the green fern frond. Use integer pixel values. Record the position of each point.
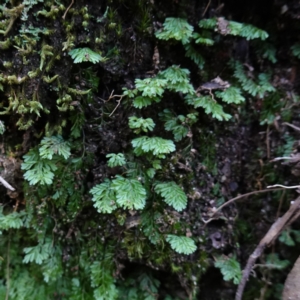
(38, 253)
(208, 23)
(151, 87)
(129, 193)
(203, 40)
(231, 95)
(181, 244)
(209, 105)
(175, 28)
(140, 101)
(104, 197)
(194, 55)
(116, 160)
(11, 220)
(247, 31)
(172, 194)
(141, 124)
(38, 170)
(154, 145)
(85, 55)
(230, 269)
(54, 145)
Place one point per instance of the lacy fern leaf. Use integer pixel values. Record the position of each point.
(141, 124)
(116, 160)
(151, 87)
(154, 145)
(85, 55)
(230, 269)
(104, 197)
(181, 244)
(209, 105)
(175, 28)
(54, 145)
(231, 95)
(129, 193)
(11, 220)
(38, 170)
(172, 194)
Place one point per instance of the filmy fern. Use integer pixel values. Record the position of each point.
(230, 269)
(175, 28)
(86, 55)
(172, 194)
(122, 192)
(155, 145)
(116, 160)
(181, 244)
(141, 124)
(54, 145)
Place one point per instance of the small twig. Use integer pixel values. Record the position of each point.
(6, 184)
(271, 235)
(119, 102)
(206, 8)
(240, 197)
(282, 158)
(64, 16)
(283, 186)
(291, 125)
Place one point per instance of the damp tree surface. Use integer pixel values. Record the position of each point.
(149, 149)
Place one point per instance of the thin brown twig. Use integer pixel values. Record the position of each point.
(291, 125)
(290, 216)
(119, 102)
(64, 16)
(206, 8)
(243, 196)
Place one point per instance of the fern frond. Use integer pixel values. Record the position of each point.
(175, 28)
(230, 269)
(209, 105)
(151, 87)
(116, 160)
(38, 170)
(154, 145)
(104, 197)
(85, 55)
(231, 95)
(141, 124)
(172, 194)
(129, 193)
(194, 55)
(181, 244)
(54, 145)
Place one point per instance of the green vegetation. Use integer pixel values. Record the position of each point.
(109, 180)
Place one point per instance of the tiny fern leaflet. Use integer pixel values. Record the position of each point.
(154, 145)
(116, 160)
(173, 195)
(54, 145)
(231, 95)
(230, 269)
(38, 170)
(129, 193)
(141, 124)
(104, 197)
(176, 28)
(85, 55)
(181, 244)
